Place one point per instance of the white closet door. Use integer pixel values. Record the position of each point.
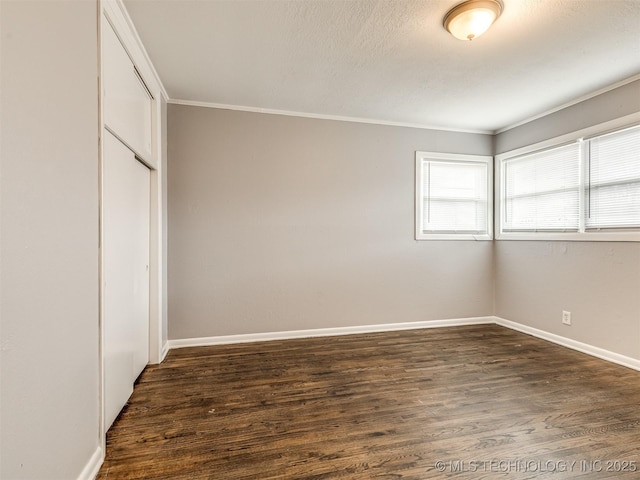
(126, 100)
(125, 209)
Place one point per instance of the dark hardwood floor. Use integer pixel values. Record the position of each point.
(479, 402)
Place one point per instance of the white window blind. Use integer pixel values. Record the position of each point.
(453, 197)
(542, 191)
(613, 187)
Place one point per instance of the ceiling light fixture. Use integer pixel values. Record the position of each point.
(472, 18)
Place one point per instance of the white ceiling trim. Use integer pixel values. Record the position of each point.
(270, 111)
(571, 103)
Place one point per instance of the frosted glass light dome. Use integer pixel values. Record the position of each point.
(471, 19)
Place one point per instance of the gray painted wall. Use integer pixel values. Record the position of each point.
(49, 247)
(280, 223)
(599, 282)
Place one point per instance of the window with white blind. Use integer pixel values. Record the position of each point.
(588, 189)
(542, 190)
(453, 199)
(613, 181)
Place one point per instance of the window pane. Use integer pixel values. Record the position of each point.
(455, 197)
(549, 211)
(542, 190)
(613, 191)
(452, 216)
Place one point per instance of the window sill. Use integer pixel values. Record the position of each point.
(454, 236)
(573, 237)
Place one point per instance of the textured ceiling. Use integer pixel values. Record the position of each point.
(389, 60)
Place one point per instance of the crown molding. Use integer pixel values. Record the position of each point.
(271, 111)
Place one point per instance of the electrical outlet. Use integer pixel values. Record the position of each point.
(566, 317)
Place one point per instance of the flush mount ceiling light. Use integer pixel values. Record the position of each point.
(472, 18)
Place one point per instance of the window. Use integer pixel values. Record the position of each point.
(453, 198)
(613, 181)
(588, 189)
(542, 190)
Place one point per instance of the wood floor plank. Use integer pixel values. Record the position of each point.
(484, 400)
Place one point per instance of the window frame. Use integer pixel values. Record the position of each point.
(583, 234)
(420, 157)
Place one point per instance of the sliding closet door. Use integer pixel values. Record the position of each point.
(126, 194)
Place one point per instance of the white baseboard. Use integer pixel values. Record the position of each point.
(573, 344)
(326, 332)
(91, 469)
(390, 327)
